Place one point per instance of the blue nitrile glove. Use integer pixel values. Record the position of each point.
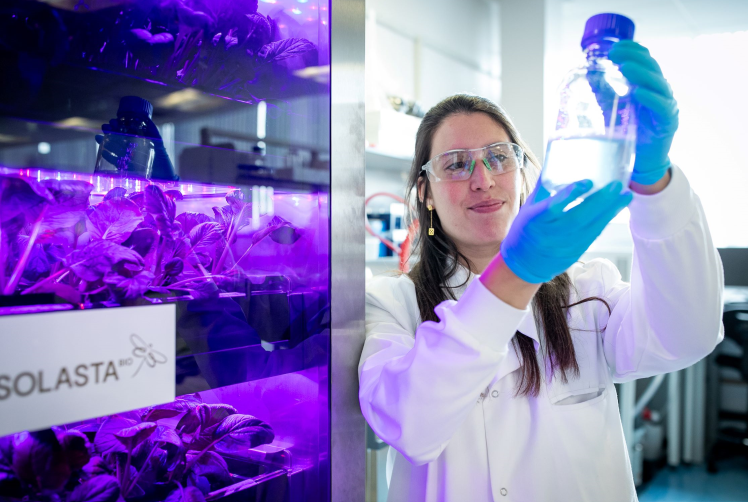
(657, 110)
(544, 240)
(163, 169)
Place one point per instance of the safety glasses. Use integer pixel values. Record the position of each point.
(458, 165)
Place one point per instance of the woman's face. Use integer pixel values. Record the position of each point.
(475, 213)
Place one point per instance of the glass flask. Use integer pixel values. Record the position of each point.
(595, 132)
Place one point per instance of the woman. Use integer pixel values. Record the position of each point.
(489, 369)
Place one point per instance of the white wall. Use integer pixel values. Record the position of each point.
(427, 50)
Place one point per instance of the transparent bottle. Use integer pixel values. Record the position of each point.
(125, 150)
(595, 134)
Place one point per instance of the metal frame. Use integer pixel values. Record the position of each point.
(348, 432)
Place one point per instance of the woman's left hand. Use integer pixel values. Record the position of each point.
(657, 111)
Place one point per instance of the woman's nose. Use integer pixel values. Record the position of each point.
(482, 178)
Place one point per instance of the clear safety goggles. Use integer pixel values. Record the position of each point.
(458, 165)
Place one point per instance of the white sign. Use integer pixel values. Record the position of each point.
(62, 367)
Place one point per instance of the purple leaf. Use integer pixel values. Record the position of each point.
(167, 439)
(285, 233)
(114, 219)
(138, 198)
(6, 453)
(141, 240)
(193, 18)
(102, 488)
(17, 197)
(70, 202)
(259, 33)
(95, 467)
(199, 482)
(188, 220)
(162, 208)
(10, 229)
(38, 459)
(243, 429)
(99, 257)
(131, 437)
(67, 293)
(175, 194)
(235, 200)
(204, 290)
(274, 225)
(204, 236)
(76, 447)
(173, 267)
(160, 290)
(10, 485)
(165, 434)
(203, 416)
(115, 193)
(211, 466)
(154, 414)
(168, 410)
(133, 287)
(284, 49)
(38, 262)
(105, 441)
(223, 216)
(176, 248)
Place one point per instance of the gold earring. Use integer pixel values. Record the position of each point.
(431, 214)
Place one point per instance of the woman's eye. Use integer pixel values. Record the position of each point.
(457, 166)
(498, 158)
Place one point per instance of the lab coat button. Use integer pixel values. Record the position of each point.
(495, 393)
(503, 492)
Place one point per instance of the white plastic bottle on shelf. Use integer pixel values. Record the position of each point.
(595, 133)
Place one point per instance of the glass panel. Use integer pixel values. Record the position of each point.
(210, 191)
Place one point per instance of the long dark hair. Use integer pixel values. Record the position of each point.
(440, 259)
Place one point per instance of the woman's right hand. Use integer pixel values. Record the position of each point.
(544, 240)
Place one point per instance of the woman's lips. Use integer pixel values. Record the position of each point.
(487, 207)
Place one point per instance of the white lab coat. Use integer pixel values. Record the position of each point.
(443, 394)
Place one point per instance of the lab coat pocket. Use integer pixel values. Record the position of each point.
(593, 376)
(589, 455)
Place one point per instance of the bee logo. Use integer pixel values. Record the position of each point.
(146, 353)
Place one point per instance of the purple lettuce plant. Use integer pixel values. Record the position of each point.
(139, 458)
(222, 46)
(128, 246)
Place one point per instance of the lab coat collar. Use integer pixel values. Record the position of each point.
(462, 278)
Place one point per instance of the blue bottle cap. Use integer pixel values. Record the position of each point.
(607, 27)
(135, 106)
